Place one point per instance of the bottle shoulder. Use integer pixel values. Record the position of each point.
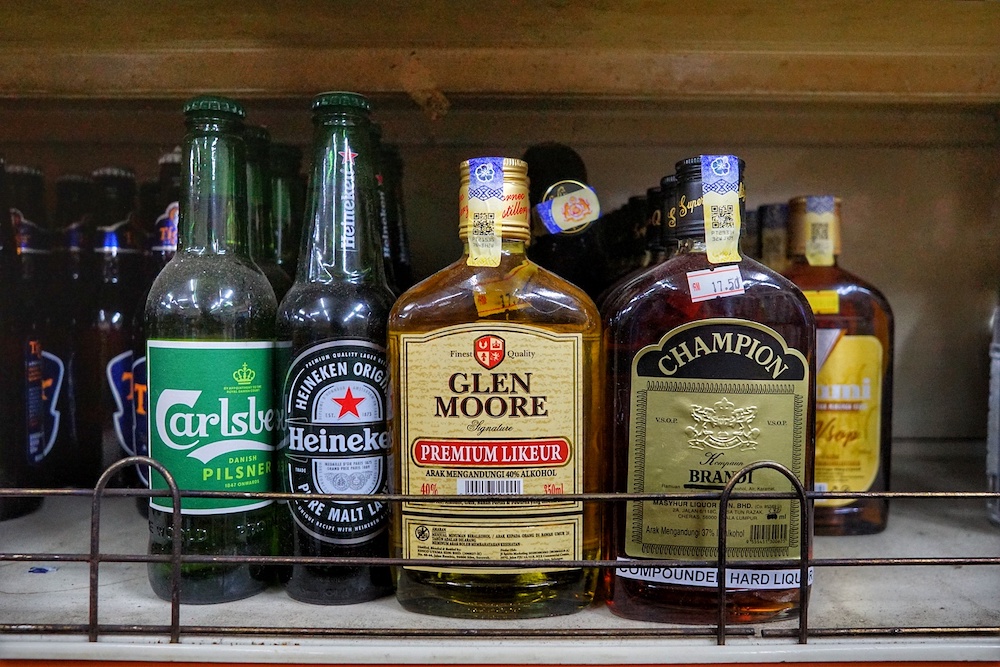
(222, 287)
(335, 309)
(852, 289)
(519, 291)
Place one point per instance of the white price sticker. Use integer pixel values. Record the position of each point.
(713, 283)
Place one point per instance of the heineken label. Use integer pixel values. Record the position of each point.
(212, 420)
(335, 439)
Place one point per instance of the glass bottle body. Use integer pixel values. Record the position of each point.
(659, 304)
(210, 319)
(863, 312)
(546, 303)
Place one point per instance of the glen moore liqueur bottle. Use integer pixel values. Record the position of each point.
(495, 370)
(332, 331)
(710, 369)
(854, 337)
(209, 361)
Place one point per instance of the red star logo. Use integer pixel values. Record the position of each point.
(378, 177)
(348, 156)
(349, 403)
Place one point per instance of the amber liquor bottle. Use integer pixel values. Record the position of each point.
(854, 341)
(495, 371)
(710, 365)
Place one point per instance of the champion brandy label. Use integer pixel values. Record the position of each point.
(491, 409)
(848, 413)
(212, 420)
(709, 398)
(335, 439)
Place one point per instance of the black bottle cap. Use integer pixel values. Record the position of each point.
(690, 193)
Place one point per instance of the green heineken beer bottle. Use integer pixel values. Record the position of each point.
(209, 355)
(332, 337)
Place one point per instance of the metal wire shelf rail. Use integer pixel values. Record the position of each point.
(93, 629)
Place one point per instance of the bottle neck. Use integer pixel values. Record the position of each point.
(213, 207)
(343, 238)
(262, 242)
(512, 251)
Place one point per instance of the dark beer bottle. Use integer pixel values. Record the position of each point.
(26, 190)
(332, 331)
(161, 246)
(399, 239)
(386, 208)
(105, 378)
(21, 429)
(210, 327)
(262, 236)
(287, 203)
(73, 270)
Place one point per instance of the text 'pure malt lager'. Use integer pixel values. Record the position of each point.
(711, 367)
(332, 337)
(210, 328)
(854, 336)
(495, 367)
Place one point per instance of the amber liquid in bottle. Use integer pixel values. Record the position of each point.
(660, 305)
(514, 300)
(846, 306)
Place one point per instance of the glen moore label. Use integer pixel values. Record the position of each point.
(708, 399)
(212, 420)
(491, 408)
(335, 439)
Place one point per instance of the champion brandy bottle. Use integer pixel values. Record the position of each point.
(710, 362)
(854, 378)
(495, 374)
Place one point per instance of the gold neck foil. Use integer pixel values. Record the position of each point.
(515, 220)
(814, 229)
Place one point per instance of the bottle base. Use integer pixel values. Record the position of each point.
(866, 517)
(500, 596)
(642, 601)
(206, 584)
(338, 585)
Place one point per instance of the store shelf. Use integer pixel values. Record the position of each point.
(922, 51)
(860, 598)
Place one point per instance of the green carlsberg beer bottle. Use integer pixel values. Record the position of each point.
(332, 334)
(210, 327)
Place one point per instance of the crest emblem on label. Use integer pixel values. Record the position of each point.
(489, 351)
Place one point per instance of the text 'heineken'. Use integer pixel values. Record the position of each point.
(209, 355)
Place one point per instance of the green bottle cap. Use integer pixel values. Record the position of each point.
(214, 104)
(341, 99)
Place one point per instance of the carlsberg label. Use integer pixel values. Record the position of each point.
(212, 420)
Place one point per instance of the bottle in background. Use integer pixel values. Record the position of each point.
(287, 203)
(399, 235)
(566, 232)
(332, 337)
(993, 423)
(104, 396)
(160, 221)
(262, 236)
(34, 271)
(710, 369)
(387, 209)
(496, 368)
(773, 222)
(22, 428)
(73, 298)
(854, 338)
(209, 360)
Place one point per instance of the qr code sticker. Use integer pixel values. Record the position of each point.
(722, 216)
(482, 223)
(820, 233)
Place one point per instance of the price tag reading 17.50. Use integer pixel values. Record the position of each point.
(713, 283)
